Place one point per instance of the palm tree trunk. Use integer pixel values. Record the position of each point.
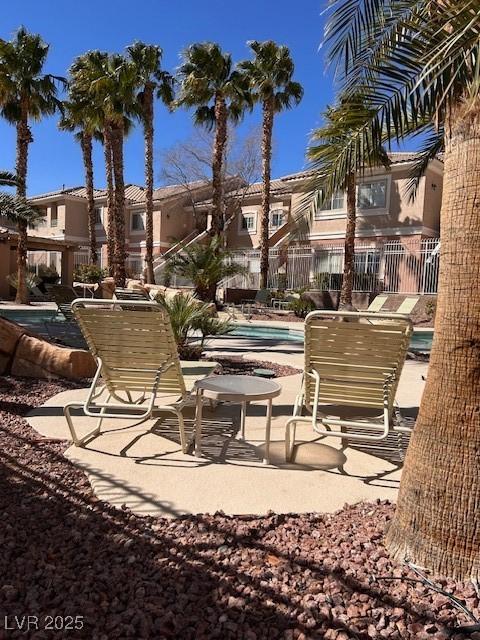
(436, 520)
(107, 147)
(267, 129)
(119, 252)
(24, 137)
(148, 136)
(218, 217)
(86, 142)
(349, 250)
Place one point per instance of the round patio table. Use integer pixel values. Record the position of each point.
(237, 390)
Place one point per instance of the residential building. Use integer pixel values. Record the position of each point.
(66, 219)
(384, 209)
(385, 213)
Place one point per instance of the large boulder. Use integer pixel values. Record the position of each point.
(10, 334)
(37, 358)
(22, 353)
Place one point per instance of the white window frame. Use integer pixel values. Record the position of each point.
(369, 180)
(101, 209)
(251, 213)
(143, 216)
(332, 214)
(277, 210)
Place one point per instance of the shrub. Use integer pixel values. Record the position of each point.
(89, 273)
(282, 281)
(46, 272)
(189, 317)
(430, 308)
(321, 281)
(31, 279)
(301, 307)
(205, 265)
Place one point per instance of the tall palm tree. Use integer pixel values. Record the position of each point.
(26, 93)
(270, 76)
(418, 62)
(218, 92)
(108, 80)
(151, 80)
(80, 116)
(326, 143)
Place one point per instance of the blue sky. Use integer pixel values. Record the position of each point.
(72, 28)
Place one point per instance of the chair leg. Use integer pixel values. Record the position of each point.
(181, 429)
(79, 442)
(290, 432)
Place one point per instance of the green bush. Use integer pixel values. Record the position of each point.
(301, 307)
(47, 272)
(321, 281)
(189, 317)
(430, 308)
(89, 273)
(282, 281)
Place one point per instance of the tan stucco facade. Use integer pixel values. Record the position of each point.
(395, 216)
(400, 216)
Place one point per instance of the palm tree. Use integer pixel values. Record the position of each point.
(415, 62)
(15, 208)
(326, 143)
(26, 93)
(269, 75)
(80, 116)
(151, 80)
(205, 265)
(209, 83)
(108, 80)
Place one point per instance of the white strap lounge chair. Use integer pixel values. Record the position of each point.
(376, 304)
(408, 305)
(352, 366)
(139, 372)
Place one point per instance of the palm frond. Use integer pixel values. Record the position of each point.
(431, 149)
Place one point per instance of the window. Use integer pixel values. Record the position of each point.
(54, 216)
(138, 222)
(248, 222)
(43, 220)
(276, 218)
(334, 203)
(98, 215)
(372, 195)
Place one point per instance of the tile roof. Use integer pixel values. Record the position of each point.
(133, 192)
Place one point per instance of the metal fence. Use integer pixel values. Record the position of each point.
(36, 260)
(134, 263)
(397, 266)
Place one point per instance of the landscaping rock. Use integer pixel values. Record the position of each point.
(283, 577)
(10, 334)
(37, 358)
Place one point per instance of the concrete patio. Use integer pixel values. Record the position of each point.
(142, 466)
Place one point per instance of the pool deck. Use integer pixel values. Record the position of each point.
(142, 466)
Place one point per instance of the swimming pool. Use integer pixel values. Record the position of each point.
(29, 317)
(421, 340)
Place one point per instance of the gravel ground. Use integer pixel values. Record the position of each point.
(64, 553)
(237, 365)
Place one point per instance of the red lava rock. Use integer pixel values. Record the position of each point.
(291, 577)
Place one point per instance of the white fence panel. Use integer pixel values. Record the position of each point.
(397, 266)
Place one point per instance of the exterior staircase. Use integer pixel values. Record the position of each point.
(161, 260)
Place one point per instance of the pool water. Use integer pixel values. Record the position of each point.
(421, 340)
(29, 316)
